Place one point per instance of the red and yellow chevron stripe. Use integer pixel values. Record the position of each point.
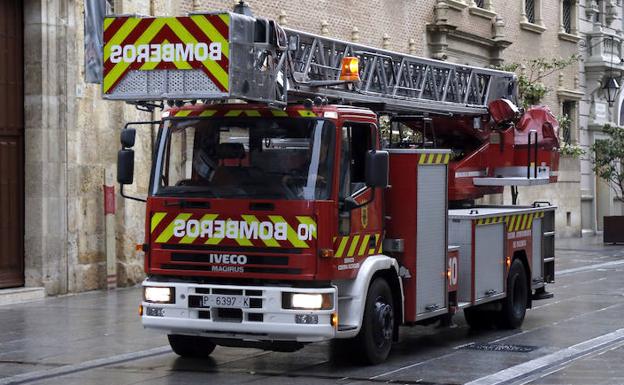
(516, 222)
(435, 158)
(252, 113)
(490, 220)
(522, 221)
(150, 31)
(358, 245)
(165, 227)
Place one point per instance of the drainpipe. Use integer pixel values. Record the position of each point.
(109, 214)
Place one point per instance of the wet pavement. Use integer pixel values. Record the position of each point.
(577, 337)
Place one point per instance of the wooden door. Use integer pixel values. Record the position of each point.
(11, 145)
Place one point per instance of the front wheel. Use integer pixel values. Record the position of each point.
(375, 337)
(515, 304)
(191, 346)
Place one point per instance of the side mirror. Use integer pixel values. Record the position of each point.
(127, 137)
(377, 168)
(125, 166)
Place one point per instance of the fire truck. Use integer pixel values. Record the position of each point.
(305, 188)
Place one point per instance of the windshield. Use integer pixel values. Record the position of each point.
(251, 157)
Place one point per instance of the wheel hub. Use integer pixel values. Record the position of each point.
(383, 322)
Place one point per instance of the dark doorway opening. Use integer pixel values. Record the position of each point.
(11, 144)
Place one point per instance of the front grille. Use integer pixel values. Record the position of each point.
(259, 270)
(255, 303)
(251, 259)
(255, 317)
(251, 314)
(227, 291)
(229, 315)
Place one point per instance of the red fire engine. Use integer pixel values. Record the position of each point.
(280, 210)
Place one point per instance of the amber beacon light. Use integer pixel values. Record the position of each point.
(350, 69)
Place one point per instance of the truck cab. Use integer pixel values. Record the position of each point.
(257, 214)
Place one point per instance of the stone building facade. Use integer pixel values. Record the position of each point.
(71, 134)
(492, 32)
(71, 138)
(601, 25)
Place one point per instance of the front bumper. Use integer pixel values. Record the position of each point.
(264, 320)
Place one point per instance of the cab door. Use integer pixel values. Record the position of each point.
(360, 228)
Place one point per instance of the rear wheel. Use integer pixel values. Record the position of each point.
(515, 304)
(375, 338)
(191, 346)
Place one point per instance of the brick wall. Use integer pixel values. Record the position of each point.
(401, 20)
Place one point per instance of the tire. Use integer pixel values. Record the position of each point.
(479, 319)
(191, 346)
(374, 340)
(515, 304)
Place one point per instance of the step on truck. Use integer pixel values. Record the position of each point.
(307, 189)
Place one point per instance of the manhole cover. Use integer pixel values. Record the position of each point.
(501, 347)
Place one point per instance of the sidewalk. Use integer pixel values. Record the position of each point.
(71, 329)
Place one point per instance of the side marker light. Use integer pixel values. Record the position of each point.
(334, 320)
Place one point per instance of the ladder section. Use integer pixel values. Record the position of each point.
(218, 56)
(396, 80)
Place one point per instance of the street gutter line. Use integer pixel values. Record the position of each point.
(87, 365)
(559, 358)
(560, 367)
(506, 337)
(589, 268)
(555, 323)
(415, 364)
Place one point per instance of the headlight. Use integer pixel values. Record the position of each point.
(159, 294)
(307, 301)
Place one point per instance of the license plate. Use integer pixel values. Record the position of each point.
(230, 301)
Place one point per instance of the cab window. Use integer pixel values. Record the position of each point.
(357, 140)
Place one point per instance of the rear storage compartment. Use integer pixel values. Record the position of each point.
(490, 237)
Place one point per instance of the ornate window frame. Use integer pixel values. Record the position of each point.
(458, 5)
(572, 35)
(537, 26)
(573, 106)
(486, 11)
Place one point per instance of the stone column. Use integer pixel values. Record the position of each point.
(523, 15)
(47, 115)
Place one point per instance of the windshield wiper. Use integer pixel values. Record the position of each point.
(189, 204)
(177, 192)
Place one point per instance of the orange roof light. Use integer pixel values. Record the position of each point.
(350, 69)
